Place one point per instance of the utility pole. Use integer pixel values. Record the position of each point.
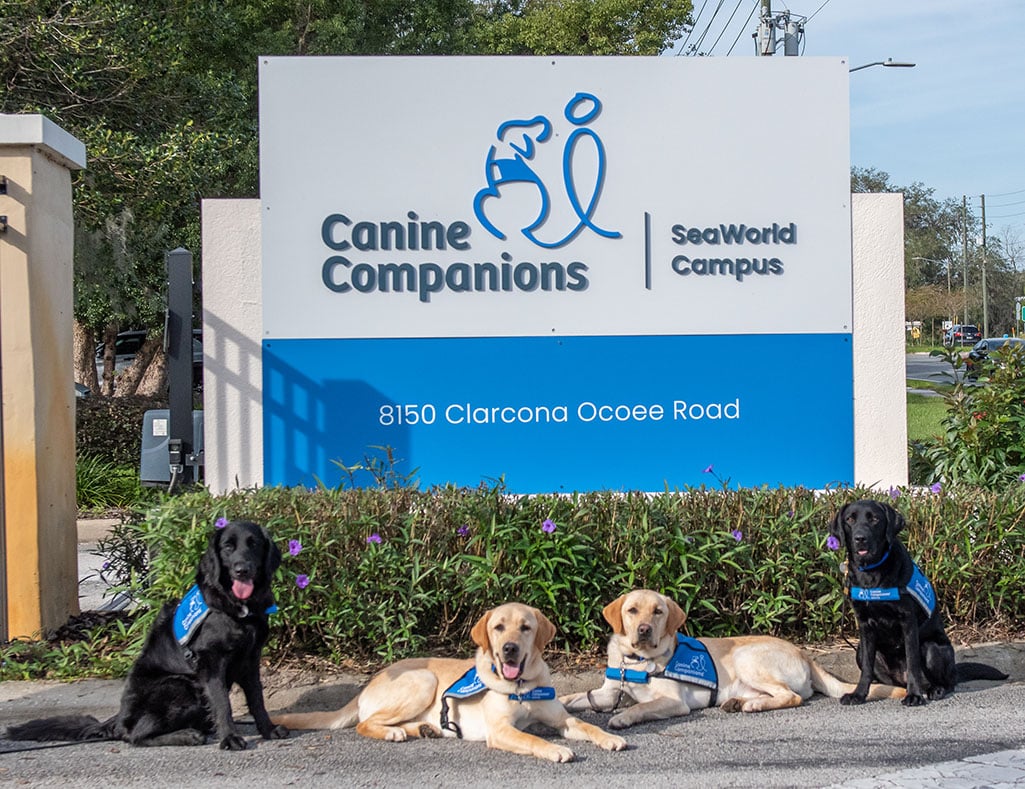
(964, 253)
(792, 27)
(985, 298)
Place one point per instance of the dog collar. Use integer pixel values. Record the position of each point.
(191, 612)
(918, 587)
(877, 564)
(689, 662)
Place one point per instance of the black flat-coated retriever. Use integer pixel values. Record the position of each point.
(177, 690)
(902, 639)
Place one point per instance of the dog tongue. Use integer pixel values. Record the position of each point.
(242, 589)
(510, 671)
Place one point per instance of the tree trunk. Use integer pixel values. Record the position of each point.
(109, 342)
(84, 345)
(154, 380)
(128, 381)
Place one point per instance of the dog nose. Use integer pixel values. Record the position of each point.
(510, 651)
(644, 630)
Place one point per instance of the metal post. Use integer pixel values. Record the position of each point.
(985, 296)
(178, 342)
(964, 253)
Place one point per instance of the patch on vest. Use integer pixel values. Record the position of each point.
(692, 663)
(466, 686)
(189, 614)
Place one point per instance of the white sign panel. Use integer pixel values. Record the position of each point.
(438, 231)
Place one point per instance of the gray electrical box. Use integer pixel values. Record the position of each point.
(155, 468)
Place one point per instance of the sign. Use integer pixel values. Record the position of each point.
(568, 273)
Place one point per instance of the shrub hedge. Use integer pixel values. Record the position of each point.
(110, 428)
(381, 573)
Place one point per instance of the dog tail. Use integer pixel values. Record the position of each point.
(828, 685)
(345, 718)
(63, 728)
(969, 671)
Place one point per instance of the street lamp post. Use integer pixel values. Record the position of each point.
(888, 63)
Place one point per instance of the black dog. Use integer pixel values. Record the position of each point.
(902, 637)
(177, 690)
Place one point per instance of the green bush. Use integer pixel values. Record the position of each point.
(398, 572)
(101, 485)
(111, 427)
(984, 439)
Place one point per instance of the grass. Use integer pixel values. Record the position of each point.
(925, 416)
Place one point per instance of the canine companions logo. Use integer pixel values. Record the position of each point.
(515, 160)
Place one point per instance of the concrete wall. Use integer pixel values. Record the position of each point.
(36, 280)
(232, 335)
(880, 384)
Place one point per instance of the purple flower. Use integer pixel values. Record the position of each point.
(895, 493)
(375, 538)
(1022, 477)
(548, 526)
(737, 535)
(302, 580)
(463, 531)
(832, 543)
(106, 565)
(708, 469)
(220, 523)
(936, 487)
(294, 547)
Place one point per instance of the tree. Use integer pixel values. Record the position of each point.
(164, 96)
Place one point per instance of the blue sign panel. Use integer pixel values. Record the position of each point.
(560, 414)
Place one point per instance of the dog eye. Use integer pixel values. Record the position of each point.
(499, 628)
(632, 610)
(524, 628)
(657, 612)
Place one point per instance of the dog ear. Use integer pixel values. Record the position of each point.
(210, 565)
(272, 561)
(676, 617)
(479, 633)
(545, 631)
(613, 614)
(894, 522)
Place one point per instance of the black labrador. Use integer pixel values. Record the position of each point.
(902, 640)
(177, 690)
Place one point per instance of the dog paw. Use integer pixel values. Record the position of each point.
(611, 742)
(850, 699)
(556, 753)
(733, 705)
(233, 742)
(621, 721)
(395, 734)
(429, 732)
(277, 733)
(913, 700)
(936, 693)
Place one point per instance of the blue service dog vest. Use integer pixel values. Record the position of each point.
(470, 685)
(690, 662)
(918, 587)
(191, 612)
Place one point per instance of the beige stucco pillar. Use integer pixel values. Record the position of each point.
(36, 277)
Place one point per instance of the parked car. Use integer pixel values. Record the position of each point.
(128, 343)
(975, 361)
(961, 334)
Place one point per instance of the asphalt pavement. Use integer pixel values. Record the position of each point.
(973, 739)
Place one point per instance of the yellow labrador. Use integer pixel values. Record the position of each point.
(663, 674)
(502, 690)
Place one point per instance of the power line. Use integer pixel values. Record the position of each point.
(742, 29)
(725, 27)
(708, 27)
(818, 9)
(1008, 194)
(692, 29)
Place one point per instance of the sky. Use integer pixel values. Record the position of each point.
(955, 122)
